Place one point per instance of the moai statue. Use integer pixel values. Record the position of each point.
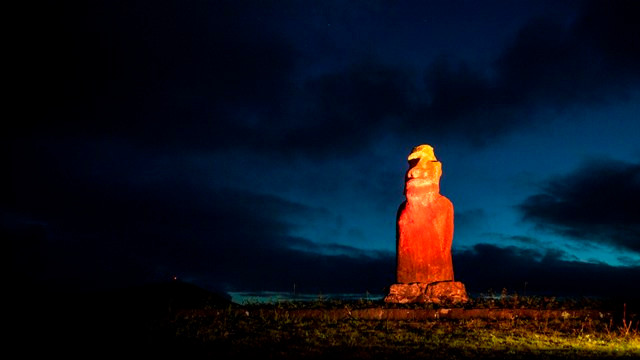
(424, 236)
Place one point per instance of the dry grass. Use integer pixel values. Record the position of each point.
(178, 322)
(256, 330)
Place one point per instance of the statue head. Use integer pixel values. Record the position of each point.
(422, 152)
(424, 166)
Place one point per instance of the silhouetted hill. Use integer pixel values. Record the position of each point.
(109, 322)
(171, 296)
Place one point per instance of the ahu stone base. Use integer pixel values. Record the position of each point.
(441, 292)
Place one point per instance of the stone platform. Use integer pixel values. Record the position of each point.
(441, 292)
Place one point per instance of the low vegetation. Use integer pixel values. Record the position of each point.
(276, 330)
(180, 321)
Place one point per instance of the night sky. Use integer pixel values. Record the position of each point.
(254, 145)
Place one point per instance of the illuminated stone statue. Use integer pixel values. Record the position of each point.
(424, 236)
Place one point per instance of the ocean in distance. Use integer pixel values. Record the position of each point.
(265, 297)
(274, 297)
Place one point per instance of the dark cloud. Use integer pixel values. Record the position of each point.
(470, 218)
(164, 74)
(109, 97)
(628, 261)
(79, 217)
(597, 202)
(522, 239)
(592, 59)
(127, 220)
(488, 267)
(225, 74)
(344, 110)
(335, 248)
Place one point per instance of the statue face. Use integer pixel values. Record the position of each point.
(431, 171)
(424, 172)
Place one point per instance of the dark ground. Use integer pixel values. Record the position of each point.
(132, 322)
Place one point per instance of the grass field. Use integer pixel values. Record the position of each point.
(185, 323)
(288, 330)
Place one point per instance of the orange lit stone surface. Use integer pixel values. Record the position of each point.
(424, 236)
(425, 223)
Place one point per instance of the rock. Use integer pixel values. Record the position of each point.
(406, 293)
(424, 233)
(442, 292)
(446, 292)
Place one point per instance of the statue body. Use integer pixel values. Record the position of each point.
(424, 235)
(425, 223)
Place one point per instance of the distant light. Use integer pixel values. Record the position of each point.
(175, 278)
